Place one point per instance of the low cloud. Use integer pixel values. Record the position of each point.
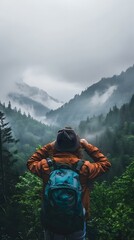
(99, 99)
(73, 44)
(51, 84)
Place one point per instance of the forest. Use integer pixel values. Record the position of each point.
(112, 195)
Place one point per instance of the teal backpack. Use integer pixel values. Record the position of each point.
(63, 209)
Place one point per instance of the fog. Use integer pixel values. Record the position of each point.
(65, 46)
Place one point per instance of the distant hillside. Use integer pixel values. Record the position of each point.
(30, 133)
(95, 100)
(28, 105)
(32, 100)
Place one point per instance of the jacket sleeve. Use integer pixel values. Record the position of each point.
(37, 162)
(101, 163)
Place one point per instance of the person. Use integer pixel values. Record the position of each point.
(68, 148)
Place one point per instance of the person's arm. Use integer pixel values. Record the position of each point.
(101, 163)
(37, 163)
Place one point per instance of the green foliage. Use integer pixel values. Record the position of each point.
(7, 159)
(8, 176)
(112, 208)
(112, 203)
(30, 133)
(29, 190)
(114, 135)
(28, 196)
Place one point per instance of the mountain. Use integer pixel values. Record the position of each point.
(32, 100)
(95, 100)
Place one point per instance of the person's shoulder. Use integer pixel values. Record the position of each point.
(50, 145)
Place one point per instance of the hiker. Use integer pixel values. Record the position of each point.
(68, 149)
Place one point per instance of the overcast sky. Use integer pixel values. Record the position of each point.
(64, 46)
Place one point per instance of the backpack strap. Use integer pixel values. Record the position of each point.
(79, 165)
(53, 165)
(50, 163)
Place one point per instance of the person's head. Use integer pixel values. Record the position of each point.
(67, 140)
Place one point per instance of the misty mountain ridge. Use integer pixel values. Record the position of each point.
(95, 100)
(32, 100)
(38, 95)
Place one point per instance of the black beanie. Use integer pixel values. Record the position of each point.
(67, 140)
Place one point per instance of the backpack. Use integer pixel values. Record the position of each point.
(63, 209)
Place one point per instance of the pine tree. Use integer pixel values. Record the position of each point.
(8, 179)
(9, 105)
(6, 158)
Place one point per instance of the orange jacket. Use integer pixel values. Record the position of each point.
(38, 165)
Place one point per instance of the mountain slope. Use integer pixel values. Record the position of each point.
(38, 95)
(32, 100)
(97, 99)
(28, 105)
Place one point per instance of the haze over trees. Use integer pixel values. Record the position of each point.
(112, 195)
